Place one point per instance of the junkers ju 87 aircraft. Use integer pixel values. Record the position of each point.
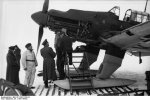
(100, 30)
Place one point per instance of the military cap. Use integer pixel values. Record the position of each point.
(11, 47)
(28, 45)
(45, 42)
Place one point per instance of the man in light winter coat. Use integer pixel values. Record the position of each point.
(29, 63)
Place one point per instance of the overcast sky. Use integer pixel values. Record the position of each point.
(17, 27)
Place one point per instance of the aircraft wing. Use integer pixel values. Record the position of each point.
(133, 39)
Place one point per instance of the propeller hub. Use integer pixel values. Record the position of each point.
(40, 18)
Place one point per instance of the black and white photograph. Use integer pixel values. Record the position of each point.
(74, 48)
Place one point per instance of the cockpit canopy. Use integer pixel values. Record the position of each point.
(115, 10)
(132, 16)
(136, 16)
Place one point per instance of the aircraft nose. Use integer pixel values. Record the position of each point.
(40, 18)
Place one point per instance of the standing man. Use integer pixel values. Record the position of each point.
(17, 53)
(59, 52)
(67, 45)
(13, 67)
(29, 63)
(48, 64)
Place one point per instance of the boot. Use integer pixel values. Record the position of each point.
(46, 84)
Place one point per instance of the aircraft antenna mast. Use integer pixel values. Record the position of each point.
(145, 5)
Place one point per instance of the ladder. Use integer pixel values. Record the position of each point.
(78, 57)
(79, 83)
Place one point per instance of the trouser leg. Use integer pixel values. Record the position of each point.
(27, 77)
(58, 60)
(61, 70)
(32, 77)
(60, 64)
(70, 57)
(18, 80)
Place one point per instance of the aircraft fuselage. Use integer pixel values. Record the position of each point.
(82, 24)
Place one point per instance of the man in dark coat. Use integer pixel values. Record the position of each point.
(59, 52)
(48, 64)
(17, 53)
(67, 42)
(13, 68)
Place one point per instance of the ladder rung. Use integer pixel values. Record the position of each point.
(71, 68)
(76, 62)
(77, 52)
(77, 56)
(81, 80)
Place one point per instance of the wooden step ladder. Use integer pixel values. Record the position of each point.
(81, 83)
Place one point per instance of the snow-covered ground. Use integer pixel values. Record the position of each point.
(120, 73)
(123, 72)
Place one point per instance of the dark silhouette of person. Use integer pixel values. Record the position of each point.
(59, 52)
(67, 45)
(48, 55)
(13, 67)
(17, 53)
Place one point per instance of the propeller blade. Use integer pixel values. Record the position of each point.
(40, 37)
(45, 6)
